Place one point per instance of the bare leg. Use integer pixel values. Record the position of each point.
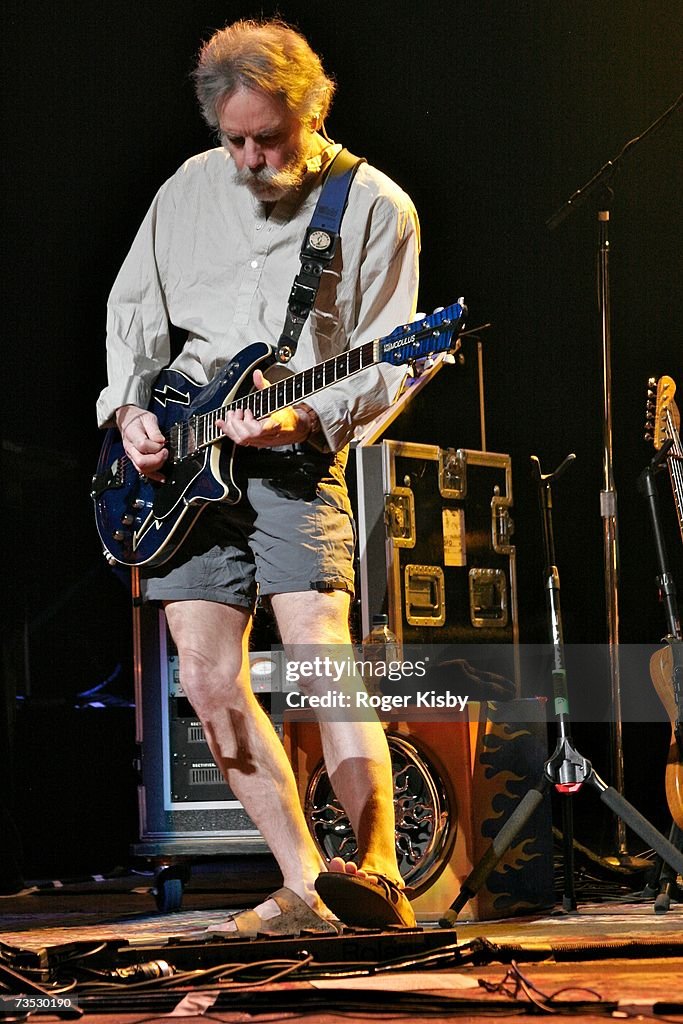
(214, 670)
(356, 752)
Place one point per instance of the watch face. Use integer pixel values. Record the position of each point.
(319, 240)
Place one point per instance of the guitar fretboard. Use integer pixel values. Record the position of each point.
(201, 430)
(674, 461)
(411, 342)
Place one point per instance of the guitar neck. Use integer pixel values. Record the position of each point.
(422, 338)
(286, 392)
(674, 461)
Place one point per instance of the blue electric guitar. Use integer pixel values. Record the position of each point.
(143, 522)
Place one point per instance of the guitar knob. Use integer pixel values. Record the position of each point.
(119, 534)
(128, 519)
(138, 503)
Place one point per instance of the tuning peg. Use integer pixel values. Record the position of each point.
(647, 436)
(438, 309)
(448, 358)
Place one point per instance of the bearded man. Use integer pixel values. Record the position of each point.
(215, 258)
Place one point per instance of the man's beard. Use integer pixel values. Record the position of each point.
(269, 185)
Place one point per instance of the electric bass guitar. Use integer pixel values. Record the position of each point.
(143, 522)
(662, 427)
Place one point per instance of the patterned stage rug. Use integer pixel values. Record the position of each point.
(37, 931)
(625, 921)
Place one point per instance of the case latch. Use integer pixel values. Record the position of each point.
(425, 602)
(399, 516)
(488, 598)
(452, 473)
(502, 525)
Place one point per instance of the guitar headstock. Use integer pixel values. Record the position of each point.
(662, 411)
(425, 337)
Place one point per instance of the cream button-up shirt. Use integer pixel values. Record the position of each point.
(210, 261)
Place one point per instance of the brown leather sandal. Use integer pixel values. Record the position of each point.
(295, 917)
(372, 902)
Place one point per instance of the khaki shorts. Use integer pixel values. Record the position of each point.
(292, 532)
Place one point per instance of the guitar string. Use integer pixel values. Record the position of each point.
(675, 465)
(194, 431)
(201, 430)
(283, 393)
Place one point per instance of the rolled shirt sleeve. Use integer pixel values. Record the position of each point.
(138, 338)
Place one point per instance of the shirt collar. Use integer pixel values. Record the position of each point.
(315, 164)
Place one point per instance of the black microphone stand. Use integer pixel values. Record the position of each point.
(566, 770)
(666, 887)
(608, 495)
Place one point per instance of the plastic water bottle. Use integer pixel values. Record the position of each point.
(380, 645)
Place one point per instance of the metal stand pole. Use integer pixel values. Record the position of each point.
(608, 511)
(608, 496)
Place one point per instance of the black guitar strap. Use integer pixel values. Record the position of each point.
(318, 249)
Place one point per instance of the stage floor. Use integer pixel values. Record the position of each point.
(625, 957)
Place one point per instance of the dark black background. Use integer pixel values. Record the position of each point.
(490, 115)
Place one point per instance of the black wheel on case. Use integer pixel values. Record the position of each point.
(168, 890)
(169, 894)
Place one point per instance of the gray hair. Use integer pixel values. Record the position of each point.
(266, 55)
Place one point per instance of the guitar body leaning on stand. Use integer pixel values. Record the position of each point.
(663, 672)
(666, 665)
